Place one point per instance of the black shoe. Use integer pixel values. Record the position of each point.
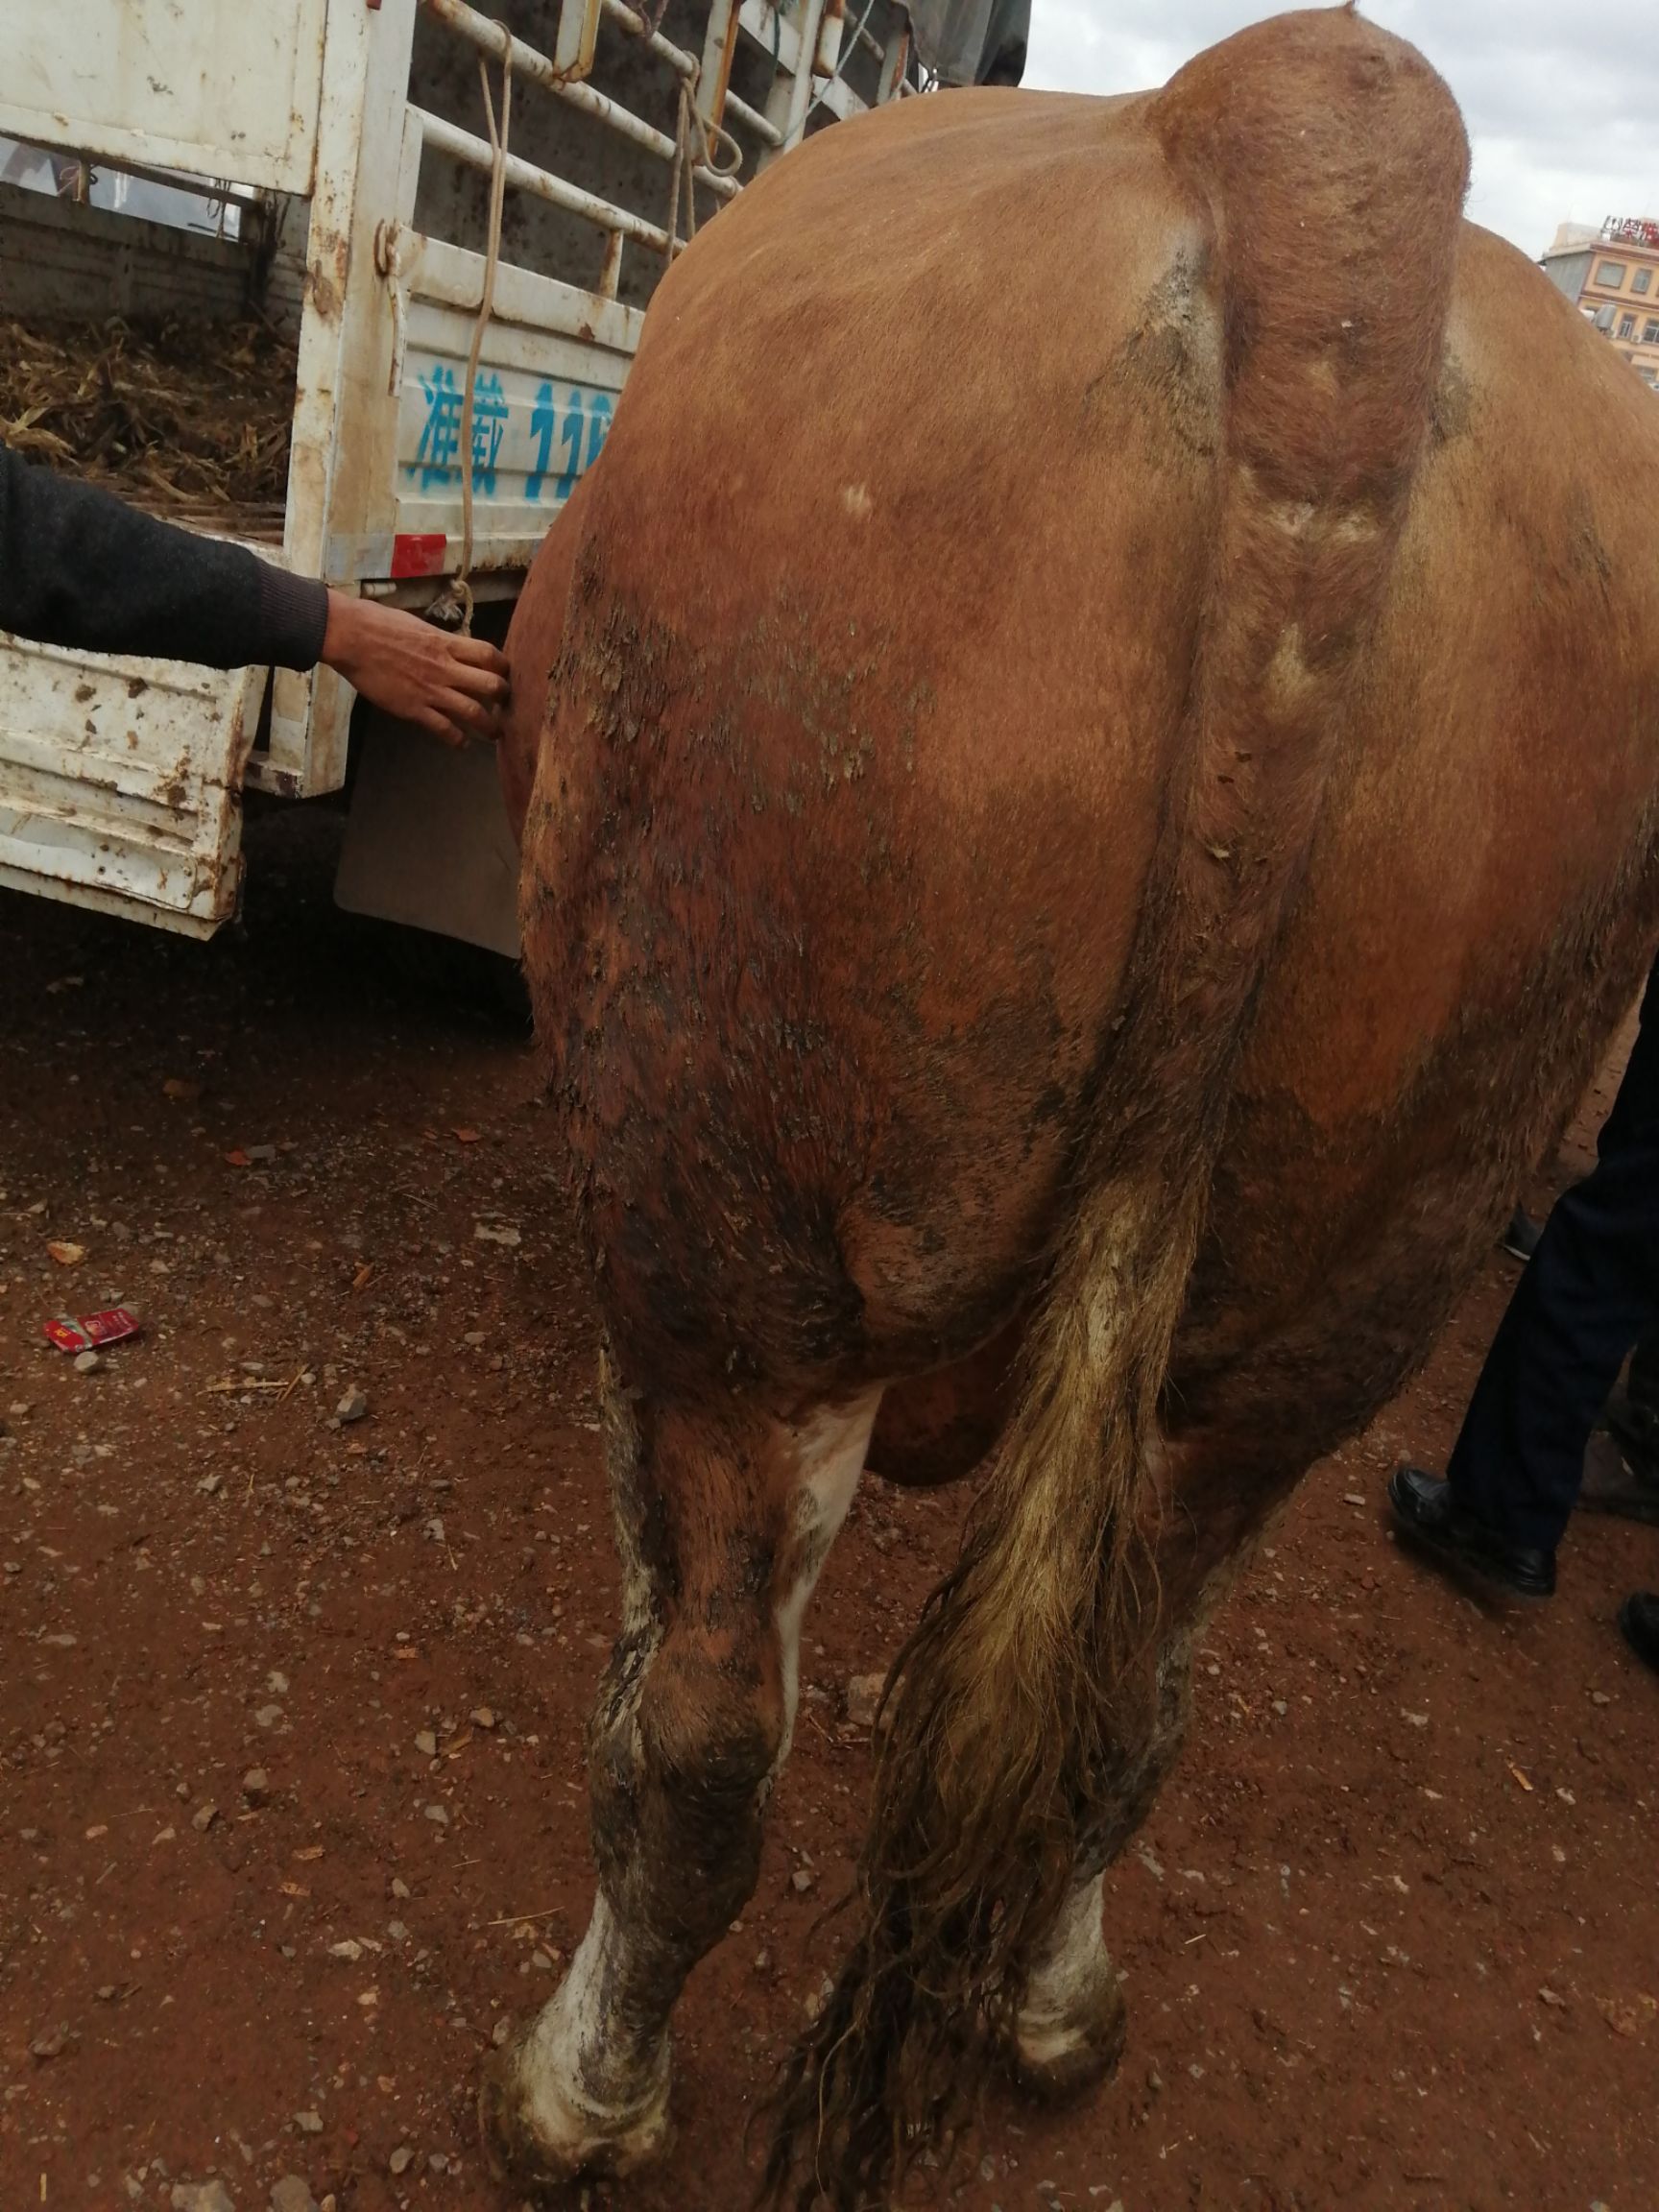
(1521, 1238)
(1635, 1425)
(1618, 1476)
(1430, 1516)
(1639, 1618)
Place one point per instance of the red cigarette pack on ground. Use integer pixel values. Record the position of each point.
(92, 1330)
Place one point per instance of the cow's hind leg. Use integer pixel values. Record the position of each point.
(1069, 2030)
(723, 1517)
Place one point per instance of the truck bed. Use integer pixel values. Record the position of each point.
(190, 419)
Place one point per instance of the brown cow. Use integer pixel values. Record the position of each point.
(1099, 793)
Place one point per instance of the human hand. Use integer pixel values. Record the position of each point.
(454, 686)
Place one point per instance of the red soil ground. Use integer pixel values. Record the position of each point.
(1391, 1936)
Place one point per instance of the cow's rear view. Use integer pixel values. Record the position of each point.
(1004, 691)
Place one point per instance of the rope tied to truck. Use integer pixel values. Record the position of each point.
(457, 599)
(696, 145)
(698, 141)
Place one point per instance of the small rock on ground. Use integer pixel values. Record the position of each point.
(201, 2197)
(292, 2194)
(863, 1697)
(353, 1406)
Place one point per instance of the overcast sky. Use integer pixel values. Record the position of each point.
(1561, 97)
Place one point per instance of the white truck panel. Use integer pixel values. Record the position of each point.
(120, 782)
(541, 412)
(218, 87)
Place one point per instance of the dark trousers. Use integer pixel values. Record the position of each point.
(1645, 1374)
(1587, 1293)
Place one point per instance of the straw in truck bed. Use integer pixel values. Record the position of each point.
(191, 420)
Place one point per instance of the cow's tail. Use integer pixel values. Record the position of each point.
(1325, 165)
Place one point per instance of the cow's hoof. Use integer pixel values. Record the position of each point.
(1060, 2052)
(538, 2137)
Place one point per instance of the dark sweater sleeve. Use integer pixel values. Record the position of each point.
(81, 568)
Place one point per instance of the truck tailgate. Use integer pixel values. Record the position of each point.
(120, 782)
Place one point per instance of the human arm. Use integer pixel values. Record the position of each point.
(79, 567)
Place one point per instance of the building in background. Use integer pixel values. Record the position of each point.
(1611, 276)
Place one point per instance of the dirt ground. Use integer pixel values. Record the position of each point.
(1391, 1937)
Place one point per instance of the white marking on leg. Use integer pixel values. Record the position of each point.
(590, 2094)
(594, 2097)
(574, 2111)
(833, 1445)
(1062, 1997)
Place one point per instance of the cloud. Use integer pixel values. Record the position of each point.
(1560, 103)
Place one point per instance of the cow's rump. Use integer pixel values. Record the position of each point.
(1099, 797)
(890, 596)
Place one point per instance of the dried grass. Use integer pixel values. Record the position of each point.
(180, 415)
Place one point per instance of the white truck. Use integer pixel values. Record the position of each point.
(456, 219)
